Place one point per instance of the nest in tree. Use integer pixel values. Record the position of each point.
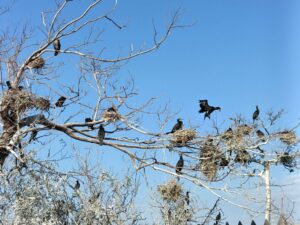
(242, 157)
(243, 130)
(37, 63)
(171, 191)
(183, 136)
(111, 116)
(287, 160)
(210, 156)
(288, 137)
(16, 101)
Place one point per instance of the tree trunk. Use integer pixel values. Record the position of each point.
(268, 192)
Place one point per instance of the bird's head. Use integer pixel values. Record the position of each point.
(179, 120)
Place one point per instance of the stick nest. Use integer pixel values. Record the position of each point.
(37, 63)
(17, 101)
(171, 191)
(183, 136)
(288, 137)
(210, 157)
(242, 157)
(111, 116)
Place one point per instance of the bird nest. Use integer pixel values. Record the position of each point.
(17, 101)
(242, 157)
(171, 191)
(235, 138)
(183, 136)
(243, 130)
(111, 116)
(210, 157)
(286, 160)
(36, 63)
(288, 137)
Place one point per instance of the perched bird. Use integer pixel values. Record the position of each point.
(218, 217)
(227, 223)
(253, 223)
(77, 185)
(88, 120)
(177, 126)
(260, 134)
(60, 101)
(179, 165)
(206, 108)
(33, 135)
(56, 45)
(101, 134)
(187, 198)
(255, 114)
(112, 109)
(240, 223)
(8, 85)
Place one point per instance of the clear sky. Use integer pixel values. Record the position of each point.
(235, 53)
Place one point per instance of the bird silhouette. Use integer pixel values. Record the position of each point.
(255, 114)
(240, 223)
(253, 223)
(179, 165)
(177, 126)
(101, 134)
(60, 101)
(33, 136)
(218, 217)
(227, 223)
(89, 120)
(8, 85)
(260, 134)
(77, 185)
(56, 45)
(187, 198)
(206, 108)
(112, 109)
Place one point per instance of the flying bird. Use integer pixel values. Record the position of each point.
(89, 120)
(177, 126)
(101, 134)
(60, 101)
(206, 108)
(255, 114)
(8, 85)
(56, 45)
(179, 165)
(253, 223)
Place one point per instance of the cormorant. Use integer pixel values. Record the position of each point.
(206, 108)
(255, 114)
(253, 223)
(177, 126)
(101, 134)
(56, 45)
(218, 217)
(240, 223)
(33, 135)
(88, 120)
(260, 134)
(227, 223)
(77, 186)
(179, 165)
(111, 109)
(8, 85)
(60, 101)
(187, 198)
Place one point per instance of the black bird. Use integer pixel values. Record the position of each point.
(218, 217)
(240, 223)
(77, 185)
(101, 134)
(260, 134)
(21, 88)
(224, 162)
(255, 114)
(33, 135)
(111, 109)
(177, 126)
(206, 108)
(60, 101)
(179, 165)
(88, 120)
(187, 198)
(8, 85)
(227, 223)
(56, 45)
(253, 223)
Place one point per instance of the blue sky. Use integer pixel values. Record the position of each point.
(236, 54)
